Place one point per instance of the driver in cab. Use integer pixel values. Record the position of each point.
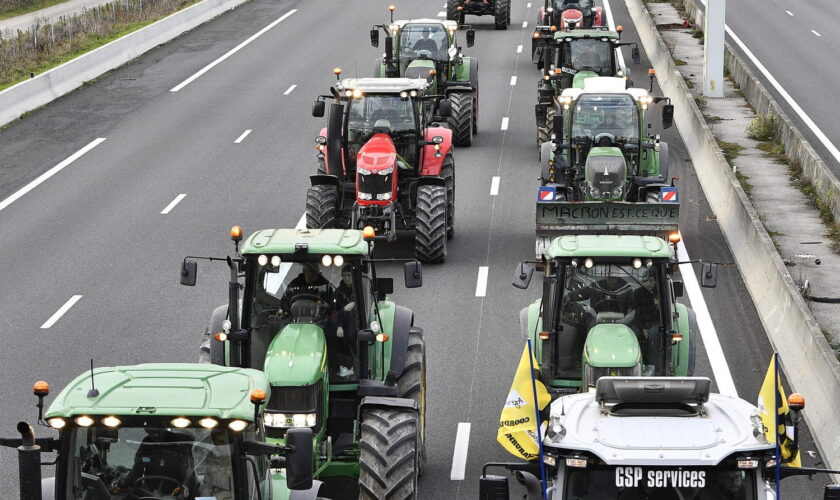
(163, 464)
(309, 282)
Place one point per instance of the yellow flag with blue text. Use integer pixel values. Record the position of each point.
(518, 422)
(772, 389)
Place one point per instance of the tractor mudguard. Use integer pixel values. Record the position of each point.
(432, 165)
(530, 324)
(217, 349)
(325, 180)
(686, 325)
(462, 73)
(385, 402)
(429, 181)
(403, 322)
(281, 490)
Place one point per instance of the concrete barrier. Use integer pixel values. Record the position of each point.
(809, 363)
(36, 92)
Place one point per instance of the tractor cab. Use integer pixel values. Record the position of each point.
(608, 308)
(570, 14)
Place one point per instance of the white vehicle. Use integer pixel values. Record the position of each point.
(652, 438)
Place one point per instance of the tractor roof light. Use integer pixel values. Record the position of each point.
(275, 260)
(57, 422)
(348, 93)
(404, 94)
(337, 72)
(392, 8)
(236, 233)
(413, 93)
(338, 261)
(637, 263)
(553, 28)
(748, 463)
(41, 388)
(83, 421)
(320, 140)
(796, 402)
(237, 425)
(674, 237)
(578, 462)
(326, 260)
(368, 233)
(651, 72)
(180, 422)
(258, 396)
(111, 421)
(558, 71)
(262, 260)
(565, 100)
(536, 34)
(619, 28)
(588, 263)
(208, 423)
(357, 93)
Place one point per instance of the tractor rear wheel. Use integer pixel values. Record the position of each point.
(320, 206)
(502, 14)
(412, 385)
(430, 230)
(389, 459)
(461, 121)
(448, 174)
(320, 166)
(544, 133)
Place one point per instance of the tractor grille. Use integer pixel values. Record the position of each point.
(300, 399)
(605, 173)
(594, 373)
(375, 185)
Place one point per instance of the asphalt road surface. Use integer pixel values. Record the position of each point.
(91, 240)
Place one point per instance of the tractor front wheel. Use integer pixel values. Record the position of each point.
(412, 385)
(430, 231)
(461, 121)
(502, 14)
(544, 133)
(389, 459)
(448, 174)
(320, 207)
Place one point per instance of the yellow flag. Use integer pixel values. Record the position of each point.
(766, 401)
(518, 423)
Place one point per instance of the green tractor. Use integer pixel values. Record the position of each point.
(341, 359)
(609, 307)
(428, 48)
(457, 10)
(163, 431)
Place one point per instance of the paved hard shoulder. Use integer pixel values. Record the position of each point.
(46, 15)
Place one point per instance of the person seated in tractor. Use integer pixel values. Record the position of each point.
(647, 323)
(307, 294)
(587, 58)
(163, 464)
(340, 345)
(426, 43)
(391, 118)
(218, 476)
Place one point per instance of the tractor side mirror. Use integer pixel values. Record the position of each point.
(832, 492)
(299, 459)
(413, 274)
(493, 487)
(189, 270)
(524, 272)
(708, 274)
(445, 108)
(374, 37)
(318, 108)
(667, 116)
(679, 288)
(541, 110)
(470, 37)
(636, 55)
(384, 287)
(557, 126)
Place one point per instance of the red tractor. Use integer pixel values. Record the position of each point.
(381, 163)
(570, 14)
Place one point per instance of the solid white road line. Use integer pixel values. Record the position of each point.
(232, 51)
(611, 24)
(49, 173)
(289, 90)
(242, 137)
(528, 5)
(525, 24)
(173, 203)
(459, 456)
(518, 49)
(814, 32)
(505, 123)
(494, 185)
(63, 309)
(481, 282)
(513, 80)
(442, 13)
(789, 13)
(723, 377)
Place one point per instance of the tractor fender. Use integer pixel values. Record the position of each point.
(387, 402)
(432, 165)
(312, 493)
(687, 326)
(48, 488)
(403, 322)
(692, 342)
(598, 16)
(325, 180)
(663, 162)
(217, 349)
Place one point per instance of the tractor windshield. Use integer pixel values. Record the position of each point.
(604, 115)
(656, 483)
(424, 41)
(588, 54)
(608, 293)
(332, 297)
(146, 461)
(386, 113)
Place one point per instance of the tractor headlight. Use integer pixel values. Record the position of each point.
(363, 171)
(365, 196)
(383, 196)
(618, 192)
(290, 420)
(299, 420)
(387, 171)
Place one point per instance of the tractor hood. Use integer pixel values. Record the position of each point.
(297, 355)
(612, 345)
(378, 153)
(606, 173)
(419, 68)
(580, 78)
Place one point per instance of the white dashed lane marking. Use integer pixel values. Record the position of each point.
(173, 203)
(242, 137)
(61, 311)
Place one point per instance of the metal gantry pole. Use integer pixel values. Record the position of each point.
(714, 31)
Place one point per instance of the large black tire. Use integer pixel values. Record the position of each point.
(412, 384)
(544, 133)
(320, 206)
(663, 162)
(320, 166)
(448, 174)
(213, 351)
(389, 459)
(430, 231)
(452, 13)
(502, 14)
(461, 121)
(474, 84)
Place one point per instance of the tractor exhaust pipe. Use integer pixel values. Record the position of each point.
(29, 463)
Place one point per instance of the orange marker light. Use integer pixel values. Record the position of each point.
(676, 337)
(544, 335)
(651, 72)
(368, 233)
(221, 336)
(553, 28)
(796, 401)
(619, 28)
(433, 72)
(337, 71)
(459, 8)
(382, 337)
(41, 388)
(558, 71)
(258, 396)
(392, 8)
(674, 237)
(536, 34)
(236, 233)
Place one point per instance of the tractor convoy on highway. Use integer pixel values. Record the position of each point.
(311, 381)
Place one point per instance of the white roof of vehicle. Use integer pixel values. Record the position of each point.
(450, 25)
(605, 85)
(725, 426)
(383, 85)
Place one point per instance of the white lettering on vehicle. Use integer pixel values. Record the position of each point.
(630, 477)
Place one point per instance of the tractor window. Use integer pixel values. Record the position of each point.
(387, 113)
(606, 114)
(589, 54)
(649, 483)
(424, 41)
(608, 293)
(152, 462)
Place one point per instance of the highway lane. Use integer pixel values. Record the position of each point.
(95, 229)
